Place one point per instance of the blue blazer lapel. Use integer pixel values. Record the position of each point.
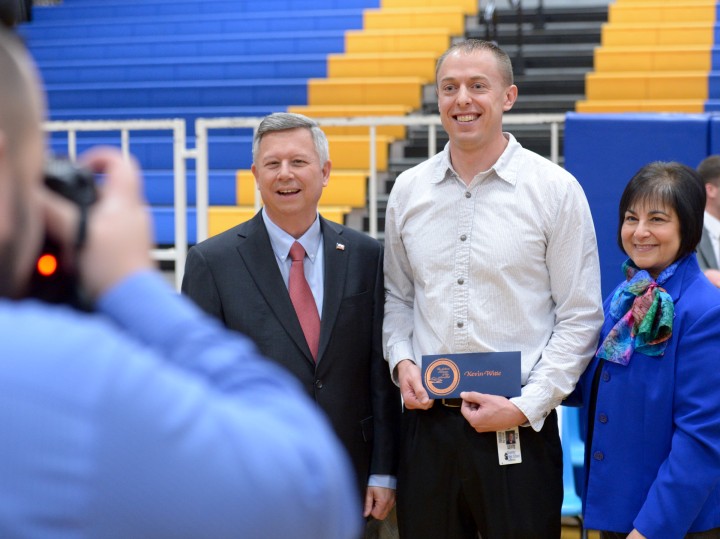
(335, 251)
(259, 259)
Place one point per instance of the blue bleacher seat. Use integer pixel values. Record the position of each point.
(203, 93)
(182, 68)
(141, 9)
(189, 24)
(205, 45)
(575, 440)
(571, 443)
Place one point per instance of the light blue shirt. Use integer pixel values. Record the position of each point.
(148, 419)
(313, 264)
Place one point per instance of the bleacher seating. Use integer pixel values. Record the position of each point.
(388, 61)
(188, 59)
(137, 59)
(192, 58)
(656, 56)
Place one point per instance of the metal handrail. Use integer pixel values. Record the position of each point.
(181, 153)
(203, 125)
(539, 16)
(178, 252)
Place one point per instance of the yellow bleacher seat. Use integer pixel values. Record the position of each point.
(320, 111)
(469, 7)
(345, 188)
(221, 218)
(397, 40)
(370, 91)
(688, 57)
(448, 17)
(383, 64)
(342, 111)
(661, 12)
(655, 57)
(352, 152)
(690, 33)
(646, 85)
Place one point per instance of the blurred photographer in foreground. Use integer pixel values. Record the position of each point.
(146, 418)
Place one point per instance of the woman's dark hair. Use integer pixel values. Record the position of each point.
(673, 185)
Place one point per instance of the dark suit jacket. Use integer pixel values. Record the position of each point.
(235, 276)
(706, 253)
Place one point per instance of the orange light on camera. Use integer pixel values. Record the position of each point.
(47, 265)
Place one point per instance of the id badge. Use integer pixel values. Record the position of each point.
(508, 444)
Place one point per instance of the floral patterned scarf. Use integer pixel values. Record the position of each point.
(644, 313)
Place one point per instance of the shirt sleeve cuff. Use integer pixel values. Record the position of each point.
(536, 417)
(399, 351)
(384, 481)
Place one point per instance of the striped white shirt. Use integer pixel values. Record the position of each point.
(506, 263)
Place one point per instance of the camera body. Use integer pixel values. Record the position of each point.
(52, 281)
(74, 182)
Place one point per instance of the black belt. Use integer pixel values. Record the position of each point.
(451, 403)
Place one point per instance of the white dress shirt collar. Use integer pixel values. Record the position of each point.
(506, 167)
(713, 225)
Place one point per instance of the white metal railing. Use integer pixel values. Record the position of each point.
(204, 125)
(181, 153)
(178, 252)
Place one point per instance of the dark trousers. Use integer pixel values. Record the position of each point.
(451, 485)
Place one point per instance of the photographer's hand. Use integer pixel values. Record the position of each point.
(119, 236)
(118, 232)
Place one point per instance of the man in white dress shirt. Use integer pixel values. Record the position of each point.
(708, 252)
(488, 248)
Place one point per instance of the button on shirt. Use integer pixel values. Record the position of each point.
(508, 262)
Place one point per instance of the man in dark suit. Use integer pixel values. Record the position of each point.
(245, 276)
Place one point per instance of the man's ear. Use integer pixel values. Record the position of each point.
(327, 167)
(253, 169)
(711, 190)
(511, 94)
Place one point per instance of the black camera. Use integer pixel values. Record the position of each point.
(51, 280)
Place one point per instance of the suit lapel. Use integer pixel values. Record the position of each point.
(257, 254)
(706, 251)
(335, 251)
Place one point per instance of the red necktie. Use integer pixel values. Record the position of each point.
(303, 300)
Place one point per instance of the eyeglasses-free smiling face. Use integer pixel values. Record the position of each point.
(472, 97)
(650, 236)
(290, 178)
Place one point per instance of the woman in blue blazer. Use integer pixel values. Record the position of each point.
(653, 388)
